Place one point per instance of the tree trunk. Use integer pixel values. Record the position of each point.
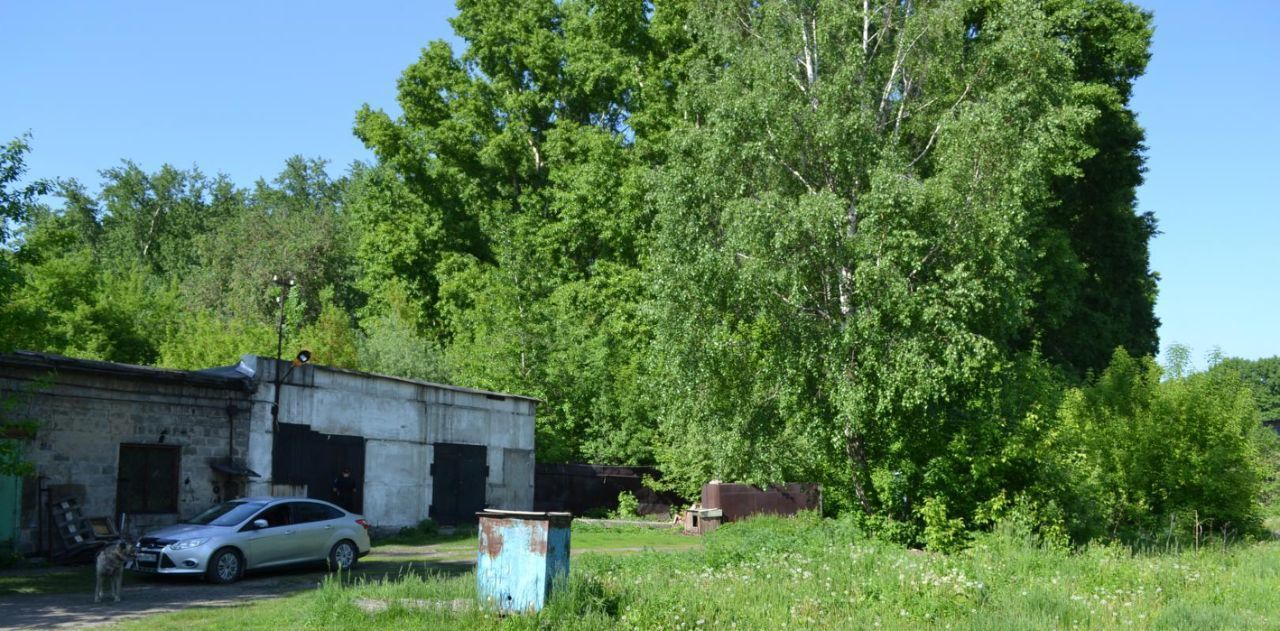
(858, 458)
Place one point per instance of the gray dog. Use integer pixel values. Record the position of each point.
(111, 560)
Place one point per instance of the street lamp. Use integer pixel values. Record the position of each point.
(285, 284)
(303, 357)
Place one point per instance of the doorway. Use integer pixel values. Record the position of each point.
(459, 475)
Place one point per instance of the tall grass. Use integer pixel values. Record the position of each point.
(809, 573)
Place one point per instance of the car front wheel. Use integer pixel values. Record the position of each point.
(225, 566)
(343, 555)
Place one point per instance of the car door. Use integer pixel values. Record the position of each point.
(314, 523)
(275, 544)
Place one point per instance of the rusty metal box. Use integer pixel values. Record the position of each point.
(523, 556)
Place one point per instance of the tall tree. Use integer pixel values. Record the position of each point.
(153, 219)
(1099, 292)
(294, 225)
(511, 191)
(17, 199)
(845, 275)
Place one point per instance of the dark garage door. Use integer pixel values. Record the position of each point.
(458, 475)
(303, 456)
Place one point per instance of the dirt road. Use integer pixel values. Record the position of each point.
(150, 595)
(77, 611)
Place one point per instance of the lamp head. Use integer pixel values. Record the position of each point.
(303, 357)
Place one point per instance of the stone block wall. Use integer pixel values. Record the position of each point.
(84, 417)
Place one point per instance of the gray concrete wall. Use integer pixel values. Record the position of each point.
(83, 418)
(400, 421)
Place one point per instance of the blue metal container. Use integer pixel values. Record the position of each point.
(523, 556)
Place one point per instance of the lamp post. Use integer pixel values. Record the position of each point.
(285, 284)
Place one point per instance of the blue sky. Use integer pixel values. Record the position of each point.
(237, 87)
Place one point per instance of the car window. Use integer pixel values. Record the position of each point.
(312, 511)
(277, 515)
(226, 514)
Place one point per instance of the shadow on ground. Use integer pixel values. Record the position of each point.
(149, 595)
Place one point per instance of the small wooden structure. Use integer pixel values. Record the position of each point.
(700, 521)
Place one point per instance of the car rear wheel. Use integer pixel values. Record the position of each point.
(225, 566)
(343, 555)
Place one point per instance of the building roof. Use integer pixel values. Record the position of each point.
(239, 376)
(52, 362)
(443, 386)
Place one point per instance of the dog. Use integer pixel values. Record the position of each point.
(110, 568)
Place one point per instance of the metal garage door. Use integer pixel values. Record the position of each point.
(458, 474)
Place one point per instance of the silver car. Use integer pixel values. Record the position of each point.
(255, 533)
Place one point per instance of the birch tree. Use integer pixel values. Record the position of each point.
(847, 261)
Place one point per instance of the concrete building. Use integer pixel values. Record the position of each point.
(161, 445)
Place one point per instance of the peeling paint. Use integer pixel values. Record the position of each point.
(521, 558)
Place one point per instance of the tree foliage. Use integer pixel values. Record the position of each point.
(1263, 378)
(508, 205)
(856, 225)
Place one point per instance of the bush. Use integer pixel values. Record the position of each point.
(1142, 453)
(1269, 452)
(628, 506)
(424, 528)
(941, 533)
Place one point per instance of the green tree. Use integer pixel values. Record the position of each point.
(845, 283)
(512, 188)
(295, 226)
(333, 337)
(200, 339)
(1263, 379)
(153, 219)
(1099, 292)
(17, 200)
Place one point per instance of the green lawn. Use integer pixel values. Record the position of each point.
(810, 573)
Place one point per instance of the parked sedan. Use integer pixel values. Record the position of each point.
(255, 533)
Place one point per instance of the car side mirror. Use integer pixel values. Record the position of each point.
(259, 524)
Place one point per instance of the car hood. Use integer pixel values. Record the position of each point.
(188, 531)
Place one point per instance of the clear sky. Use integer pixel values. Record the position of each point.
(237, 87)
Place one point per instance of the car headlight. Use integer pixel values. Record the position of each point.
(188, 543)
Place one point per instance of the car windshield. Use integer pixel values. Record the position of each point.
(225, 514)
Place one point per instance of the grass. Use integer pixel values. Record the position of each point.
(810, 573)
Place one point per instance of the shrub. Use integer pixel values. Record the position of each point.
(941, 533)
(424, 528)
(628, 506)
(1143, 452)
